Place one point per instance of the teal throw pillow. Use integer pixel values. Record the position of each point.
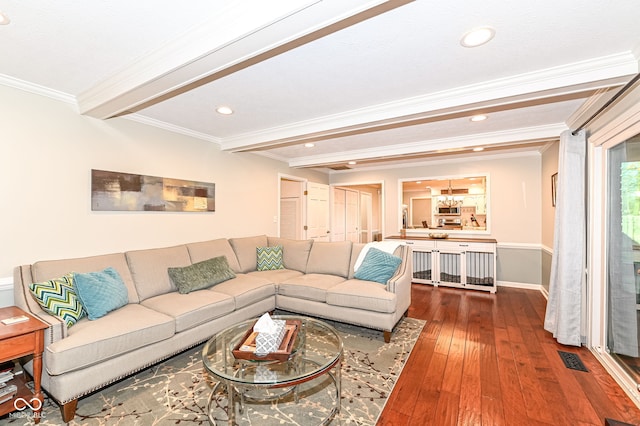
(269, 258)
(101, 292)
(58, 297)
(201, 275)
(378, 266)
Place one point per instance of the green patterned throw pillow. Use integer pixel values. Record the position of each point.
(269, 258)
(201, 275)
(58, 297)
(378, 266)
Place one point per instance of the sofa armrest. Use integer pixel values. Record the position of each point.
(400, 282)
(23, 299)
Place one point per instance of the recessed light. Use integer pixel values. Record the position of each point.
(309, 145)
(224, 110)
(479, 117)
(351, 163)
(4, 19)
(478, 149)
(477, 37)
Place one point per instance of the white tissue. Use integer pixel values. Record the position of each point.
(265, 325)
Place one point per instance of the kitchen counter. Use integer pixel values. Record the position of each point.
(454, 239)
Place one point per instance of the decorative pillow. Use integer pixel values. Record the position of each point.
(269, 258)
(101, 292)
(378, 266)
(201, 274)
(58, 297)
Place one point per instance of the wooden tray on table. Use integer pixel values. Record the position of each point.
(245, 349)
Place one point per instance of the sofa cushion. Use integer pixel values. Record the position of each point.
(276, 276)
(332, 258)
(91, 342)
(192, 309)
(245, 250)
(49, 269)
(246, 289)
(309, 286)
(361, 294)
(201, 275)
(295, 253)
(100, 292)
(269, 258)
(208, 249)
(378, 266)
(149, 269)
(58, 297)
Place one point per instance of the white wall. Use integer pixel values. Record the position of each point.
(47, 151)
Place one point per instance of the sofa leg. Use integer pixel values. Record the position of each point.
(387, 336)
(69, 410)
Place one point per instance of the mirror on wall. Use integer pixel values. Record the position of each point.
(449, 203)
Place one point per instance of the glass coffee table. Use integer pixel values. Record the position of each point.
(317, 351)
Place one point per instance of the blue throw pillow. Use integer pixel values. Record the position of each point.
(101, 292)
(378, 266)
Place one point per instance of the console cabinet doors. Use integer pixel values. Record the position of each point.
(455, 264)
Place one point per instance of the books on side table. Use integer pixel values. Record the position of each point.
(7, 390)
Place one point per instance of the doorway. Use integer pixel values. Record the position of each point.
(357, 212)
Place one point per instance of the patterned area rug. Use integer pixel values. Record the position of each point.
(176, 391)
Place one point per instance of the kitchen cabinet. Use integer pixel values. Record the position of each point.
(454, 262)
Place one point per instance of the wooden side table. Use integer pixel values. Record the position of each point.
(18, 340)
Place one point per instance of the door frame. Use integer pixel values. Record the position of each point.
(303, 205)
(381, 207)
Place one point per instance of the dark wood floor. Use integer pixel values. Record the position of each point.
(485, 359)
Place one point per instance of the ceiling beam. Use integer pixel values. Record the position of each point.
(569, 80)
(454, 144)
(246, 33)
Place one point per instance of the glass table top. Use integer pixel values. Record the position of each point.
(316, 349)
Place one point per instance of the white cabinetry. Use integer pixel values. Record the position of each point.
(459, 263)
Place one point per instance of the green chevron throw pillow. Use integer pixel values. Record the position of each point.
(269, 258)
(58, 297)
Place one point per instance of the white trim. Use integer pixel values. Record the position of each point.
(577, 77)
(519, 246)
(6, 283)
(546, 249)
(618, 373)
(38, 90)
(549, 131)
(525, 286)
(172, 128)
(449, 160)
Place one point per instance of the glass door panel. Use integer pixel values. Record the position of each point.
(623, 254)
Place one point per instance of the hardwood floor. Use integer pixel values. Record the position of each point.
(485, 359)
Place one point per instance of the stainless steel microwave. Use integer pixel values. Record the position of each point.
(451, 211)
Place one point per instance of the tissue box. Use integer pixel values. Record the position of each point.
(270, 342)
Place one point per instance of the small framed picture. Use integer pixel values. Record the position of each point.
(554, 188)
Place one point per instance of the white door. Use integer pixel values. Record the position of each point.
(337, 214)
(366, 217)
(351, 216)
(318, 211)
(291, 196)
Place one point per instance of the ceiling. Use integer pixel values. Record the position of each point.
(376, 82)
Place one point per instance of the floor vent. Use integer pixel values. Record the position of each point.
(572, 361)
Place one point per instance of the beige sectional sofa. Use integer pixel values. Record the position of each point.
(158, 321)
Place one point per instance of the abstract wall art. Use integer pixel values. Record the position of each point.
(115, 191)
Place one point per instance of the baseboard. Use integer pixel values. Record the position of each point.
(6, 283)
(526, 286)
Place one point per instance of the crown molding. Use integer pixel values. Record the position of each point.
(36, 89)
(172, 128)
(552, 82)
(467, 141)
(453, 159)
(241, 34)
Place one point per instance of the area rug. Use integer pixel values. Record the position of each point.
(176, 391)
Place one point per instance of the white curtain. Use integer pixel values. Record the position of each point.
(563, 317)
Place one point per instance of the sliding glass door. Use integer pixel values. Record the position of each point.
(623, 255)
